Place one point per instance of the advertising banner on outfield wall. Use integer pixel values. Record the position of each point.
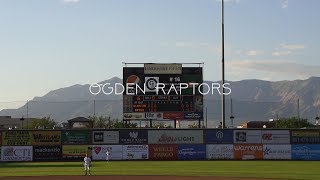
(305, 152)
(163, 152)
(247, 136)
(133, 136)
(99, 152)
(275, 136)
(76, 152)
(219, 151)
(219, 136)
(47, 153)
(175, 136)
(16, 138)
(191, 151)
(16, 153)
(75, 137)
(135, 152)
(105, 137)
(40, 138)
(248, 151)
(279, 151)
(305, 136)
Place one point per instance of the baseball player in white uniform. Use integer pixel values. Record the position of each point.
(107, 155)
(87, 164)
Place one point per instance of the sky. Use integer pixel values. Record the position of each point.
(50, 44)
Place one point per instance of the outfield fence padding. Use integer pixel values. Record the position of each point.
(160, 144)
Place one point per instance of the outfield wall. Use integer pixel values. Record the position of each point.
(163, 144)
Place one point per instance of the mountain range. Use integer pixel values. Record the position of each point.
(251, 100)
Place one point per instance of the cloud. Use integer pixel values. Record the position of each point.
(276, 69)
(281, 53)
(284, 3)
(253, 53)
(70, 1)
(292, 46)
(183, 44)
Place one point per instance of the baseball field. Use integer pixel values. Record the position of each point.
(200, 170)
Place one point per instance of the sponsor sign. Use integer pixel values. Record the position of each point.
(135, 152)
(175, 137)
(173, 115)
(305, 137)
(162, 68)
(40, 138)
(219, 136)
(157, 116)
(279, 151)
(191, 152)
(16, 138)
(105, 137)
(75, 137)
(163, 152)
(306, 152)
(275, 136)
(76, 152)
(193, 115)
(248, 151)
(44, 153)
(16, 153)
(219, 151)
(151, 83)
(247, 136)
(133, 136)
(133, 116)
(99, 152)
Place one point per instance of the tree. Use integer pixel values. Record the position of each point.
(292, 122)
(122, 124)
(105, 122)
(43, 123)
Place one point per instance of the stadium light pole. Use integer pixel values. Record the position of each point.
(222, 41)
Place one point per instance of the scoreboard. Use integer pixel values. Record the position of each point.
(146, 101)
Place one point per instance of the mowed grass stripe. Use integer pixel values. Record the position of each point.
(263, 169)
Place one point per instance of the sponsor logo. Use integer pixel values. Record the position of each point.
(46, 138)
(192, 116)
(151, 84)
(248, 148)
(241, 136)
(98, 136)
(133, 135)
(47, 150)
(97, 150)
(267, 137)
(266, 151)
(219, 134)
(133, 115)
(166, 138)
(153, 115)
(269, 151)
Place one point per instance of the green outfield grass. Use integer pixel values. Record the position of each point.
(263, 169)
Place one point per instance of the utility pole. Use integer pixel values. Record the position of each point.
(222, 95)
(231, 114)
(206, 117)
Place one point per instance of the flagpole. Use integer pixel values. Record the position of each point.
(222, 95)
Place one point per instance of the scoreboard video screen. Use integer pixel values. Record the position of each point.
(187, 102)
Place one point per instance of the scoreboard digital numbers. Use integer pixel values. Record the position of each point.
(188, 103)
